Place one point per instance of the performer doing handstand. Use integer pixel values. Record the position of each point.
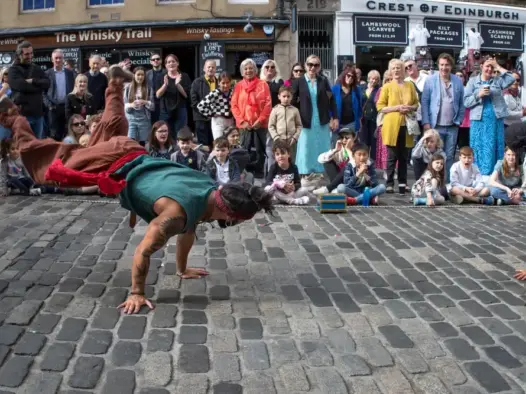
(172, 198)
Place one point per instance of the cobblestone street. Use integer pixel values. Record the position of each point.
(396, 300)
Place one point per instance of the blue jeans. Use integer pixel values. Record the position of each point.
(497, 194)
(176, 120)
(139, 130)
(358, 193)
(37, 125)
(449, 136)
(4, 133)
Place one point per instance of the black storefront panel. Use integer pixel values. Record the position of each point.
(380, 30)
(504, 38)
(449, 34)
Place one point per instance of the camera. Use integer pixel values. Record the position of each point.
(206, 36)
(248, 28)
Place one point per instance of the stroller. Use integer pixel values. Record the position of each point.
(515, 138)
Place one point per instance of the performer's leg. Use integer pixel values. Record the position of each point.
(113, 122)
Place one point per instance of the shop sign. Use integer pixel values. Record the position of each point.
(318, 5)
(139, 57)
(148, 35)
(43, 59)
(504, 38)
(380, 30)
(436, 9)
(212, 50)
(6, 59)
(445, 33)
(72, 54)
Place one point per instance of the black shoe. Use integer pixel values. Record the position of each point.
(401, 190)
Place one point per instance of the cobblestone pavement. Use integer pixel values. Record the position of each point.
(396, 300)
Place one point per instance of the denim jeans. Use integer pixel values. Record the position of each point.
(176, 120)
(449, 137)
(37, 125)
(4, 133)
(139, 129)
(358, 193)
(499, 194)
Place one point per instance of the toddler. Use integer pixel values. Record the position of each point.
(187, 156)
(334, 160)
(13, 173)
(221, 167)
(84, 140)
(506, 180)
(466, 181)
(359, 173)
(426, 191)
(283, 179)
(426, 147)
(161, 145)
(216, 105)
(285, 121)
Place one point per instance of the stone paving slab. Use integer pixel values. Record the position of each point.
(398, 300)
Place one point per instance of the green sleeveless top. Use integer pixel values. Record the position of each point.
(148, 179)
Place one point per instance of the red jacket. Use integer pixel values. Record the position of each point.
(253, 106)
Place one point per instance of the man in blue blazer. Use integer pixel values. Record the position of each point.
(61, 83)
(443, 105)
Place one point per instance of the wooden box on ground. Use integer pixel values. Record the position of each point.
(332, 203)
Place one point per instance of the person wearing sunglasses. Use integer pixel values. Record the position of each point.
(512, 96)
(155, 78)
(76, 129)
(296, 72)
(313, 96)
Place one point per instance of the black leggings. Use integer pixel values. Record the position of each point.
(335, 175)
(23, 184)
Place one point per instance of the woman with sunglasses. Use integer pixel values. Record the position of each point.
(80, 100)
(313, 96)
(76, 129)
(348, 96)
(5, 90)
(512, 96)
(296, 72)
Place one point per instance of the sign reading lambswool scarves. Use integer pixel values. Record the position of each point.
(505, 38)
(380, 30)
(445, 33)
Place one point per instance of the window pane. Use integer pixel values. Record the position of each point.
(94, 2)
(50, 3)
(27, 4)
(39, 5)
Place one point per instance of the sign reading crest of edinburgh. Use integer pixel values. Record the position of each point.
(445, 33)
(380, 30)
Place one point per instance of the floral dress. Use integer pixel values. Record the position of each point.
(313, 141)
(381, 149)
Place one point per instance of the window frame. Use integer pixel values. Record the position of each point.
(173, 2)
(34, 10)
(105, 5)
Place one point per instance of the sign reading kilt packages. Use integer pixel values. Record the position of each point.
(380, 30)
(445, 33)
(504, 38)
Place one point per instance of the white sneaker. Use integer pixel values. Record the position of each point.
(335, 191)
(35, 192)
(302, 200)
(321, 190)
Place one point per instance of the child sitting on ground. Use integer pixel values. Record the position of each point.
(13, 173)
(506, 180)
(359, 174)
(466, 181)
(187, 156)
(426, 147)
(222, 169)
(285, 122)
(283, 179)
(161, 145)
(334, 160)
(426, 191)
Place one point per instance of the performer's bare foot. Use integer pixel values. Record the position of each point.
(520, 275)
(134, 303)
(192, 273)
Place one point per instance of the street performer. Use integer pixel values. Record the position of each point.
(172, 198)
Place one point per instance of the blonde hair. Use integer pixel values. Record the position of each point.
(3, 72)
(387, 75)
(432, 133)
(277, 77)
(312, 57)
(72, 120)
(373, 73)
(394, 62)
(75, 90)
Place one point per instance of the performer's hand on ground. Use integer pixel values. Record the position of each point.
(192, 273)
(134, 303)
(520, 275)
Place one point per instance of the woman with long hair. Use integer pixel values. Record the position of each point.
(5, 90)
(381, 150)
(76, 129)
(139, 104)
(398, 99)
(174, 95)
(161, 144)
(80, 100)
(370, 113)
(296, 72)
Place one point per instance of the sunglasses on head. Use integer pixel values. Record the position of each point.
(315, 65)
(77, 124)
(271, 67)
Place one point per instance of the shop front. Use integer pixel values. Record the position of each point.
(191, 44)
(372, 32)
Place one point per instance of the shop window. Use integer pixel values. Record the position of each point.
(98, 3)
(175, 1)
(38, 5)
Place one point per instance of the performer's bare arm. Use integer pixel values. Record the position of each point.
(185, 242)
